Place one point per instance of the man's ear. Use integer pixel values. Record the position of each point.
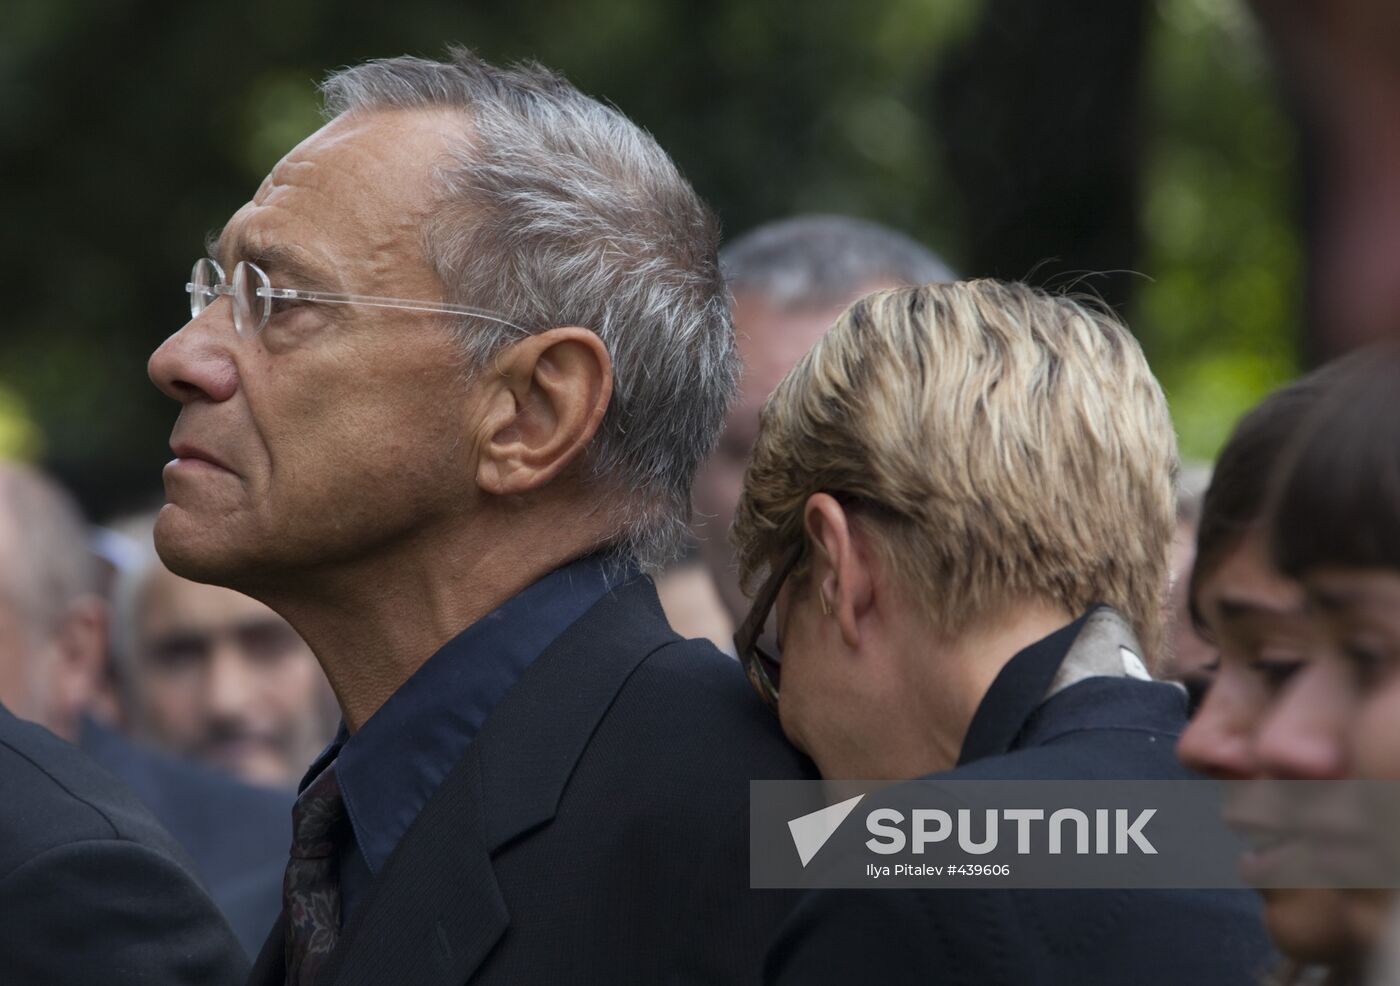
(544, 405)
(841, 572)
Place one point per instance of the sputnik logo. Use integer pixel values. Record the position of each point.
(811, 832)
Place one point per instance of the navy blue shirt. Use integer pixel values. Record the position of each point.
(394, 763)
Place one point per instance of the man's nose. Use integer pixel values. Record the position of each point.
(196, 363)
(232, 685)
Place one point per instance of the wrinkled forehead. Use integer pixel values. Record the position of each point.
(381, 152)
(363, 184)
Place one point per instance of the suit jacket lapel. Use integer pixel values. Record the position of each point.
(533, 740)
(435, 911)
(270, 969)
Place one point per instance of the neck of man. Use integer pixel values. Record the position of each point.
(375, 621)
(939, 689)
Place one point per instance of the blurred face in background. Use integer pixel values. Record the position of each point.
(1359, 615)
(771, 340)
(1274, 710)
(49, 661)
(223, 679)
(23, 685)
(24, 688)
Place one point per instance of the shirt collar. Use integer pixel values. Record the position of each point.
(395, 762)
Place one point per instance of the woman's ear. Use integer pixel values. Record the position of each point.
(841, 574)
(547, 401)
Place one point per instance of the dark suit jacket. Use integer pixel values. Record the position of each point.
(1109, 728)
(91, 889)
(236, 835)
(595, 832)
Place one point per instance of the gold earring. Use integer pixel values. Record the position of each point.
(826, 606)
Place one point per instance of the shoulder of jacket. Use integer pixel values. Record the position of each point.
(52, 794)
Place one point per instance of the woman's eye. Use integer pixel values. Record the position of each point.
(1366, 662)
(1276, 671)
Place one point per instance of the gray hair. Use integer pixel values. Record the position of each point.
(810, 262)
(558, 210)
(53, 567)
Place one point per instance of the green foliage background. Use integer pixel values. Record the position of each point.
(1221, 313)
(129, 129)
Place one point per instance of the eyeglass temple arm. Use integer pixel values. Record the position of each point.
(763, 602)
(220, 288)
(292, 294)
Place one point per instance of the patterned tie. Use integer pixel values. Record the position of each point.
(311, 888)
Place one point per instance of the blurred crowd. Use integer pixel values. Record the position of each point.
(1279, 601)
(203, 701)
(941, 529)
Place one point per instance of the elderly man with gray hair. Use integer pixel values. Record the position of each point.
(443, 392)
(790, 280)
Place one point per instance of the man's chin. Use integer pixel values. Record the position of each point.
(197, 548)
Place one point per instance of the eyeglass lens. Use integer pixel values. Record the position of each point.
(250, 291)
(250, 310)
(204, 282)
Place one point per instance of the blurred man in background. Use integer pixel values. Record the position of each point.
(52, 620)
(53, 645)
(790, 279)
(214, 675)
(91, 888)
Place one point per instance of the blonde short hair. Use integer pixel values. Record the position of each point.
(1014, 444)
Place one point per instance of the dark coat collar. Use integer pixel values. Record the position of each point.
(436, 911)
(1015, 693)
(1084, 675)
